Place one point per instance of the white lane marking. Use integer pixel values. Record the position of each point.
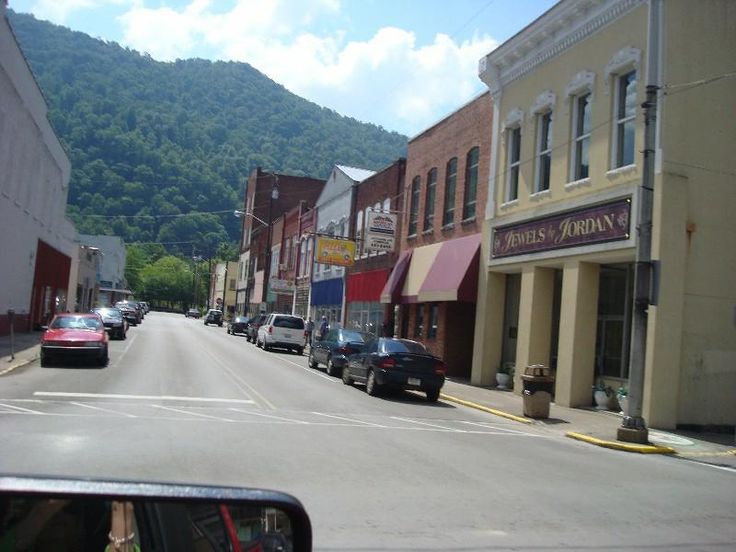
(137, 397)
(103, 409)
(307, 369)
(500, 429)
(352, 420)
(127, 346)
(24, 410)
(409, 420)
(188, 413)
(240, 383)
(270, 416)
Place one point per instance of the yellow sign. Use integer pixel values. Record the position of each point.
(335, 252)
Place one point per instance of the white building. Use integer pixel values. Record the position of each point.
(112, 267)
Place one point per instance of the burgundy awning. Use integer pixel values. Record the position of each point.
(453, 275)
(392, 290)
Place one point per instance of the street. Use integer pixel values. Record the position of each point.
(185, 402)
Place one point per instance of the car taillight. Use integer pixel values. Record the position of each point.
(440, 368)
(387, 363)
(270, 329)
(344, 350)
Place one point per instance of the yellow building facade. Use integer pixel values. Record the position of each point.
(560, 233)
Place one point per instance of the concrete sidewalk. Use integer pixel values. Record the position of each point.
(585, 424)
(588, 424)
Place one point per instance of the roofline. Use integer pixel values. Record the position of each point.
(446, 117)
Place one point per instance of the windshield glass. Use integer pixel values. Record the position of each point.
(76, 323)
(401, 346)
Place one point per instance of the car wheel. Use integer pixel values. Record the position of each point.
(331, 370)
(44, 360)
(104, 359)
(220, 324)
(371, 385)
(300, 351)
(433, 395)
(312, 363)
(205, 322)
(346, 379)
(265, 345)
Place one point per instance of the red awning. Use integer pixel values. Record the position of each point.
(366, 286)
(392, 290)
(453, 275)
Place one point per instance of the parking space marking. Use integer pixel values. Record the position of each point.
(20, 409)
(241, 384)
(103, 409)
(409, 420)
(125, 350)
(352, 420)
(313, 371)
(500, 429)
(188, 413)
(70, 395)
(271, 416)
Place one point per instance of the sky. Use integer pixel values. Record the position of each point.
(400, 64)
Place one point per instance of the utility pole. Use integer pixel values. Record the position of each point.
(633, 428)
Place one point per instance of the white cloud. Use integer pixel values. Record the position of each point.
(387, 79)
(58, 11)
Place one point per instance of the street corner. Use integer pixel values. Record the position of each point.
(483, 408)
(7, 366)
(651, 448)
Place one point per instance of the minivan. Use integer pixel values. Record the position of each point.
(282, 330)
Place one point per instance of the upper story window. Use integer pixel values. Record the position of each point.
(302, 269)
(448, 215)
(544, 152)
(430, 196)
(387, 205)
(624, 120)
(414, 206)
(471, 183)
(581, 130)
(513, 149)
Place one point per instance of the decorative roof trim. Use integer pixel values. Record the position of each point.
(560, 28)
(583, 81)
(514, 118)
(544, 102)
(623, 60)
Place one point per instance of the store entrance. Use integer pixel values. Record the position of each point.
(613, 340)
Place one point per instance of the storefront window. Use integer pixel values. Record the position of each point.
(614, 321)
(433, 320)
(419, 321)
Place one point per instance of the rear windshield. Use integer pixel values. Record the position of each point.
(110, 313)
(76, 323)
(400, 346)
(355, 337)
(293, 323)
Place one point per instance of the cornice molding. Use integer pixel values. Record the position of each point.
(562, 27)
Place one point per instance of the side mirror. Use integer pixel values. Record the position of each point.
(88, 515)
(44, 328)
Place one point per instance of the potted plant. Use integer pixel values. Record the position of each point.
(505, 375)
(602, 394)
(622, 396)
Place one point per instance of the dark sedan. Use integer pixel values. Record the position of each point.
(114, 321)
(130, 313)
(238, 325)
(334, 349)
(387, 362)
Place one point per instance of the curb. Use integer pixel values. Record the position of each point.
(18, 364)
(477, 406)
(617, 445)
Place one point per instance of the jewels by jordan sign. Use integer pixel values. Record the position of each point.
(602, 223)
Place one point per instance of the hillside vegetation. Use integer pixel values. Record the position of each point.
(150, 142)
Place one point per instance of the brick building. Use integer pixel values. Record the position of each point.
(435, 278)
(380, 193)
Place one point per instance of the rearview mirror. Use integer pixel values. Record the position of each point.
(98, 516)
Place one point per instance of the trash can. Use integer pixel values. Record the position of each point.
(537, 391)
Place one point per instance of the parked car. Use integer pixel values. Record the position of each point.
(237, 325)
(334, 349)
(114, 321)
(75, 336)
(282, 330)
(130, 313)
(192, 313)
(388, 362)
(251, 331)
(146, 307)
(213, 316)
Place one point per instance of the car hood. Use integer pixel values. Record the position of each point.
(72, 335)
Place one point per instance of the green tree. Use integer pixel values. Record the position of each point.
(167, 281)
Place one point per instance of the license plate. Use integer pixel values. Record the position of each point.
(287, 336)
(414, 381)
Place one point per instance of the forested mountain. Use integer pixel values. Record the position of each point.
(151, 141)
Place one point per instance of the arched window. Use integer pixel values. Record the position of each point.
(471, 183)
(448, 215)
(414, 206)
(429, 197)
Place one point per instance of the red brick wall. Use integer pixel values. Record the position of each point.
(454, 136)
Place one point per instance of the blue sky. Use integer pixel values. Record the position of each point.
(401, 64)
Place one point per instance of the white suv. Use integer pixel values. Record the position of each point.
(282, 330)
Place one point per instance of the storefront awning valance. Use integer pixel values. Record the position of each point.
(327, 292)
(453, 275)
(366, 286)
(391, 292)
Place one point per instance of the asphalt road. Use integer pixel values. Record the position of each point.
(185, 402)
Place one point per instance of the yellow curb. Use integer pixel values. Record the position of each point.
(617, 445)
(731, 452)
(486, 409)
(18, 364)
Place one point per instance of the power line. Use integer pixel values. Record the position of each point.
(672, 89)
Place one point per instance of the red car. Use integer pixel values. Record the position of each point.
(75, 336)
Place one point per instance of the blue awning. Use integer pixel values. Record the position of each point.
(327, 292)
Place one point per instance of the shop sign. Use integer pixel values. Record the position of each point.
(282, 286)
(602, 223)
(380, 231)
(332, 251)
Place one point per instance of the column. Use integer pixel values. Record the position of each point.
(535, 320)
(578, 327)
(488, 337)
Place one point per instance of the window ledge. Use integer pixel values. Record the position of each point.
(618, 171)
(411, 237)
(428, 232)
(510, 204)
(578, 183)
(538, 196)
(467, 221)
(449, 226)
